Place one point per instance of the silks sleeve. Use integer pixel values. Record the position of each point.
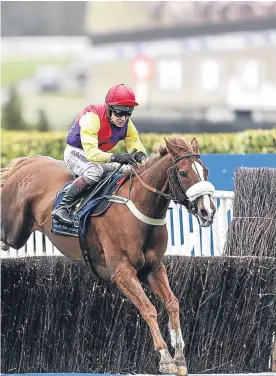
(132, 140)
(89, 128)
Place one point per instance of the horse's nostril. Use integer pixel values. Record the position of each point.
(204, 213)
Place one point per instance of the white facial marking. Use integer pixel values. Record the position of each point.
(206, 203)
(206, 199)
(198, 170)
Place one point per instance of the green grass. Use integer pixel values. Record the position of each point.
(14, 71)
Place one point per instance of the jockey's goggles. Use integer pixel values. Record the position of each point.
(120, 111)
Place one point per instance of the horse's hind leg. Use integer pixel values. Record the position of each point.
(158, 282)
(125, 277)
(16, 227)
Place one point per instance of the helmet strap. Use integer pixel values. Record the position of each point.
(109, 113)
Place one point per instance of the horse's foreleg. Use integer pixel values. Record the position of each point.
(159, 285)
(125, 277)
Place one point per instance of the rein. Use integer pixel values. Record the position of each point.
(150, 188)
(165, 195)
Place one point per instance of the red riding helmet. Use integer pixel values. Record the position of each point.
(121, 95)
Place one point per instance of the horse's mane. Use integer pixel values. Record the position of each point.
(7, 170)
(155, 157)
(178, 141)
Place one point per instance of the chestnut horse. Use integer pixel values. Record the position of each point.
(124, 247)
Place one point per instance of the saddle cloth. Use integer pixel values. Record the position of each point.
(94, 207)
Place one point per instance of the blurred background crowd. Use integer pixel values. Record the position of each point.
(192, 12)
(196, 66)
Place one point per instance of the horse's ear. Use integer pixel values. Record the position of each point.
(195, 145)
(171, 148)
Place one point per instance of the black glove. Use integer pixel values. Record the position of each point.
(139, 156)
(123, 158)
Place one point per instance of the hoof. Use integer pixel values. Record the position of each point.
(4, 247)
(168, 368)
(182, 371)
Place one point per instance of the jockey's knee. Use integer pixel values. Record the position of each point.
(93, 173)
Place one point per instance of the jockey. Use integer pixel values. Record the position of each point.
(97, 129)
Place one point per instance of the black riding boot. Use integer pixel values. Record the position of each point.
(75, 191)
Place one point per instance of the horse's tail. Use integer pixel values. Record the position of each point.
(7, 170)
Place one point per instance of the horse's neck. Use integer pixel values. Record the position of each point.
(156, 177)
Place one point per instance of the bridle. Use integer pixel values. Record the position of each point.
(176, 172)
(190, 206)
(178, 159)
(179, 195)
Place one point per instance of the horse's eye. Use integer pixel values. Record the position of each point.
(183, 173)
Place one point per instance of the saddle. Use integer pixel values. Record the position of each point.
(89, 205)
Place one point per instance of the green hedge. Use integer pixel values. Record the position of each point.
(20, 143)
